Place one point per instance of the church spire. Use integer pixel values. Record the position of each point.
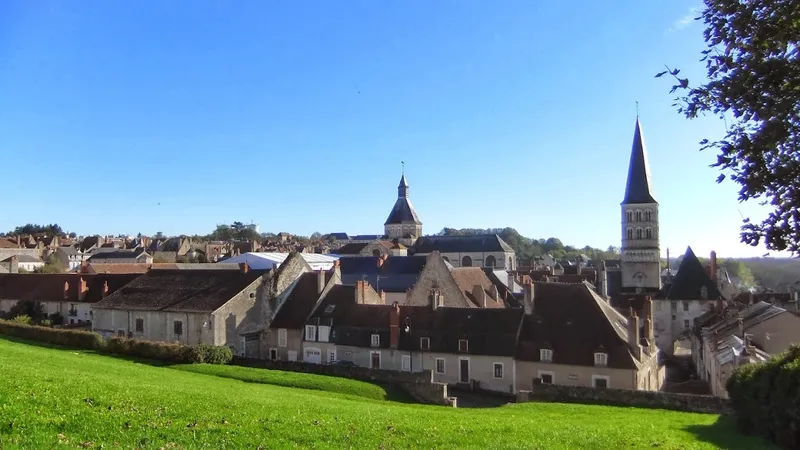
(637, 189)
(402, 188)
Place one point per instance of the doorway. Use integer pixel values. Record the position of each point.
(463, 370)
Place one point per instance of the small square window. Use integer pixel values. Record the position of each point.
(546, 355)
(273, 354)
(425, 343)
(498, 370)
(177, 327)
(546, 377)
(599, 382)
(463, 345)
(376, 340)
(440, 365)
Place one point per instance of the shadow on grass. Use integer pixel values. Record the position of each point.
(723, 434)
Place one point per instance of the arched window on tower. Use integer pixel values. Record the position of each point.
(648, 233)
(630, 233)
(648, 215)
(638, 233)
(466, 261)
(490, 261)
(638, 216)
(630, 216)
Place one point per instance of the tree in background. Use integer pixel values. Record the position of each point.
(753, 80)
(52, 229)
(52, 265)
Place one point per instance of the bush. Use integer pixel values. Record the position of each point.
(211, 354)
(766, 398)
(175, 353)
(67, 338)
(23, 319)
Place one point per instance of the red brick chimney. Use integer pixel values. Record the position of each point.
(713, 265)
(105, 288)
(83, 289)
(320, 281)
(243, 267)
(383, 296)
(394, 326)
(66, 290)
(13, 265)
(380, 262)
(633, 335)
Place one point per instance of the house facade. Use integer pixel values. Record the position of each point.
(121, 257)
(70, 258)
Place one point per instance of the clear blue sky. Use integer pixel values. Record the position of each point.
(127, 117)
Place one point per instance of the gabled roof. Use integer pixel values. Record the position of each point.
(292, 313)
(120, 254)
(23, 259)
(457, 244)
(469, 277)
(637, 189)
(690, 279)
(750, 316)
(573, 322)
(397, 273)
(181, 290)
(353, 248)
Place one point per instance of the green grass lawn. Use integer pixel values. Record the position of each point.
(71, 399)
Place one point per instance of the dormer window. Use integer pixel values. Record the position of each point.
(463, 345)
(376, 340)
(546, 355)
(704, 293)
(425, 343)
(600, 359)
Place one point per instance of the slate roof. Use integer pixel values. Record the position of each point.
(637, 189)
(572, 321)
(689, 280)
(365, 237)
(180, 290)
(69, 250)
(294, 311)
(402, 212)
(121, 254)
(353, 248)
(397, 274)
(459, 244)
(23, 259)
(339, 236)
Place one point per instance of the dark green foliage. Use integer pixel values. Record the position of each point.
(67, 338)
(766, 398)
(53, 229)
(210, 354)
(160, 351)
(28, 308)
(752, 80)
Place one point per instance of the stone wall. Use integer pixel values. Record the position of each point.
(419, 385)
(620, 397)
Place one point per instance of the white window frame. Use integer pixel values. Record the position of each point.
(405, 363)
(466, 345)
(375, 340)
(601, 377)
(331, 355)
(547, 372)
(311, 333)
(282, 337)
(436, 366)
(380, 359)
(600, 359)
(273, 351)
(545, 355)
(502, 370)
(427, 340)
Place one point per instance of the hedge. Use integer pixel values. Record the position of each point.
(766, 398)
(66, 338)
(161, 351)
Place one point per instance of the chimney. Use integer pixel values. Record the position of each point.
(480, 295)
(105, 288)
(66, 290)
(83, 289)
(510, 281)
(394, 326)
(713, 264)
(578, 268)
(741, 328)
(380, 261)
(528, 293)
(361, 292)
(337, 270)
(668, 262)
(243, 267)
(13, 265)
(436, 298)
(383, 296)
(19, 242)
(633, 336)
(494, 293)
(603, 280)
(751, 298)
(320, 281)
(84, 266)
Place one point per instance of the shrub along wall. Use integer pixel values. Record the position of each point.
(622, 397)
(766, 398)
(161, 351)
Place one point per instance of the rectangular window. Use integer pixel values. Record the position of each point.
(498, 370)
(463, 345)
(120, 333)
(405, 363)
(376, 340)
(331, 356)
(273, 354)
(375, 360)
(600, 359)
(282, 337)
(440, 366)
(674, 306)
(546, 377)
(686, 323)
(685, 306)
(140, 325)
(599, 381)
(311, 333)
(546, 355)
(425, 343)
(177, 327)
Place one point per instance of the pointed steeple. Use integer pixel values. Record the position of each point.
(402, 188)
(638, 188)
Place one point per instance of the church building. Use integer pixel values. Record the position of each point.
(403, 223)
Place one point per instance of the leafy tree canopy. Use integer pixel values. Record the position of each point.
(753, 81)
(32, 228)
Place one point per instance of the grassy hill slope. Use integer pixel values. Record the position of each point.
(51, 397)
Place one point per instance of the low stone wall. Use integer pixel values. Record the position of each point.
(621, 397)
(419, 385)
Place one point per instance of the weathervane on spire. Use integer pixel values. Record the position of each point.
(403, 167)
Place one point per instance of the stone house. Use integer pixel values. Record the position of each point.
(70, 294)
(571, 336)
(469, 251)
(690, 294)
(169, 250)
(375, 248)
(186, 306)
(137, 256)
(23, 263)
(70, 258)
(728, 337)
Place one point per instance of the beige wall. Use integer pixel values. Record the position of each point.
(783, 331)
(241, 309)
(436, 274)
(294, 342)
(666, 329)
(158, 325)
(574, 375)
